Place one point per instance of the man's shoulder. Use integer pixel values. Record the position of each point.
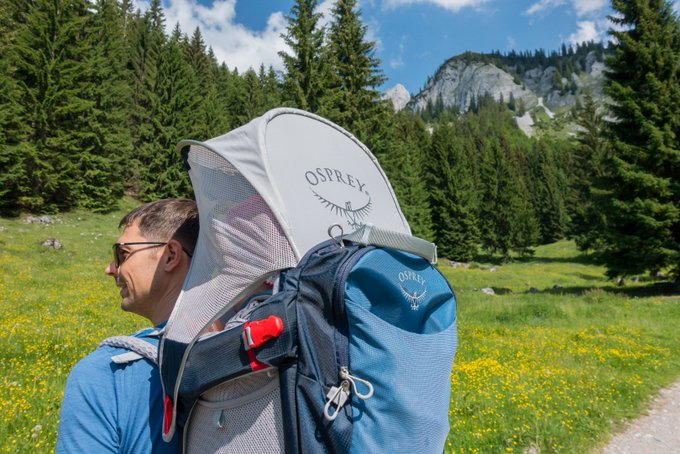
(102, 358)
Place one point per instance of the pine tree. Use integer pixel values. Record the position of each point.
(210, 117)
(507, 218)
(402, 162)
(176, 89)
(306, 68)
(452, 196)
(590, 153)
(197, 57)
(271, 87)
(352, 99)
(49, 46)
(13, 131)
(103, 139)
(547, 196)
(643, 210)
(147, 38)
(254, 95)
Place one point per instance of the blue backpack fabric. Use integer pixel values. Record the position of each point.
(364, 341)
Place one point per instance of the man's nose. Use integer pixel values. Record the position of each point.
(111, 269)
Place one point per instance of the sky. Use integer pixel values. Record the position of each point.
(413, 37)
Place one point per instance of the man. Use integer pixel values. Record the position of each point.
(117, 407)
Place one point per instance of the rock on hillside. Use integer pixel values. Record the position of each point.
(557, 80)
(458, 82)
(399, 96)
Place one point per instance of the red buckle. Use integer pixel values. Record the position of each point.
(260, 331)
(168, 410)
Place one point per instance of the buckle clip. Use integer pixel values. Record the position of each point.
(260, 331)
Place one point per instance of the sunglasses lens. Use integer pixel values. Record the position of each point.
(117, 255)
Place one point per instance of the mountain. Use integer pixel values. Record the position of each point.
(537, 86)
(398, 95)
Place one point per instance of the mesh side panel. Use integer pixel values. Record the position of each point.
(239, 243)
(239, 416)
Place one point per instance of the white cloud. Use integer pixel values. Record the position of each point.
(580, 7)
(543, 5)
(451, 5)
(586, 7)
(232, 43)
(511, 42)
(587, 31)
(324, 8)
(396, 63)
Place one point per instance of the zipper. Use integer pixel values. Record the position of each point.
(339, 395)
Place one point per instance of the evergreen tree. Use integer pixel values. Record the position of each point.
(197, 57)
(147, 38)
(210, 117)
(254, 95)
(642, 229)
(271, 87)
(306, 68)
(402, 163)
(237, 99)
(103, 140)
(164, 174)
(49, 47)
(588, 170)
(452, 196)
(13, 131)
(507, 218)
(352, 99)
(547, 196)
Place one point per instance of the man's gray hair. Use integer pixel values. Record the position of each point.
(163, 220)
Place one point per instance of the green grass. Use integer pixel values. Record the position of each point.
(556, 369)
(551, 371)
(55, 307)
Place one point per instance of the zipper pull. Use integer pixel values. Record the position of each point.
(338, 395)
(345, 375)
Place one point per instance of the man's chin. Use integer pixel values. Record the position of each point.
(126, 305)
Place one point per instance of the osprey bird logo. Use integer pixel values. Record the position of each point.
(354, 215)
(414, 298)
(409, 280)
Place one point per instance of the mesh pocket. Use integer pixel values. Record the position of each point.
(240, 416)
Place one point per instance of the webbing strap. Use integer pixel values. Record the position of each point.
(369, 234)
(137, 345)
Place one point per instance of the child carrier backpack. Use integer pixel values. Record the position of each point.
(352, 349)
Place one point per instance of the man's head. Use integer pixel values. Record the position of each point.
(152, 256)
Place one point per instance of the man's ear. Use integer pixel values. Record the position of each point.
(174, 256)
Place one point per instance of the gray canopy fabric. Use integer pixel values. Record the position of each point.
(267, 192)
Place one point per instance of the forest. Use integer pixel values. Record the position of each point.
(94, 96)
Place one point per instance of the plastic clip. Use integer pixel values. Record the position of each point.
(260, 331)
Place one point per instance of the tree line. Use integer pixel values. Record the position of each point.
(94, 96)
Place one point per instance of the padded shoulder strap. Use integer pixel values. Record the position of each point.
(369, 234)
(139, 347)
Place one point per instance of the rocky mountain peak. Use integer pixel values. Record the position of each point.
(398, 95)
(529, 81)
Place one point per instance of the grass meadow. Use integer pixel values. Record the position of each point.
(554, 369)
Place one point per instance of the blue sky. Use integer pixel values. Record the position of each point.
(413, 37)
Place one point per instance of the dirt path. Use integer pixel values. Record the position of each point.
(656, 432)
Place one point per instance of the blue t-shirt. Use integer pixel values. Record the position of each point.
(113, 408)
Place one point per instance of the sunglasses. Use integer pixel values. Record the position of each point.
(120, 255)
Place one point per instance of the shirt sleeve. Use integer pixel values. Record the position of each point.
(89, 419)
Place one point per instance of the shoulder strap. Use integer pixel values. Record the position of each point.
(139, 347)
(369, 234)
